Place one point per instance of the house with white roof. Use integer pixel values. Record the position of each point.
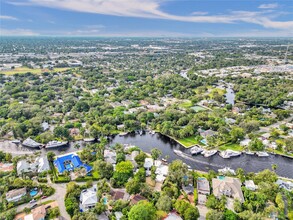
(249, 184)
(110, 156)
(88, 198)
(15, 195)
(40, 165)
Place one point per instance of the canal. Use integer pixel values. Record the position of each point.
(249, 163)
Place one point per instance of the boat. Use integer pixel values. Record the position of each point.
(262, 154)
(52, 144)
(164, 160)
(178, 152)
(209, 153)
(227, 170)
(195, 150)
(123, 133)
(140, 132)
(31, 143)
(16, 141)
(152, 132)
(229, 153)
(89, 139)
(249, 152)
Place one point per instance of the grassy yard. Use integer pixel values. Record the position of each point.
(188, 141)
(186, 104)
(22, 70)
(231, 146)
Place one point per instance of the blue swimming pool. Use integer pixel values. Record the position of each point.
(105, 200)
(33, 192)
(68, 166)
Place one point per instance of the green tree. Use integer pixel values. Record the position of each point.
(164, 203)
(215, 215)
(156, 153)
(124, 170)
(177, 170)
(104, 169)
(143, 210)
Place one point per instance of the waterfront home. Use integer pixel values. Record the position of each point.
(249, 184)
(88, 198)
(15, 195)
(69, 162)
(6, 167)
(74, 131)
(285, 184)
(148, 163)
(161, 173)
(39, 165)
(203, 186)
(38, 213)
(110, 156)
(245, 142)
(207, 133)
(227, 186)
(120, 127)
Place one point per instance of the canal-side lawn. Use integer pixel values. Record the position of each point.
(231, 146)
(188, 141)
(186, 104)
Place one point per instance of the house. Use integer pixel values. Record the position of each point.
(74, 131)
(110, 156)
(136, 198)
(6, 167)
(15, 195)
(45, 126)
(40, 165)
(161, 173)
(203, 186)
(207, 133)
(148, 163)
(285, 184)
(118, 215)
(38, 213)
(249, 184)
(188, 189)
(172, 216)
(88, 198)
(236, 110)
(227, 186)
(69, 162)
(119, 194)
(245, 142)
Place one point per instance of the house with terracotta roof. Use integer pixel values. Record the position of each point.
(38, 213)
(227, 186)
(6, 167)
(134, 199)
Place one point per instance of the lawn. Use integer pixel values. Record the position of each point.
(188, 141)
(231, 146)
(198, 108)
(22, 70)
(186, 104)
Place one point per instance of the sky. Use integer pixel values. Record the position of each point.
(147, 18)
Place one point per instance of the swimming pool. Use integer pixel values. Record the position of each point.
(33, 192)
(68, 166)
(105, 200)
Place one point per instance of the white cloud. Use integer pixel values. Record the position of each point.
(151, 9)
(199, 13)
(269, 6)
(7, 17)
(18, 32)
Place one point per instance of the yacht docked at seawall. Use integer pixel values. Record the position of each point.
(209, 153)
(31, 143)
(229, 153)
(195, 150)
(53, 144)
(227, 170)
(262, 154)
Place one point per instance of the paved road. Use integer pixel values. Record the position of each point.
(58, 196)
(275, 125)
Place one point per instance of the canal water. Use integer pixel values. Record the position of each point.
(147, 142)
(249, 163)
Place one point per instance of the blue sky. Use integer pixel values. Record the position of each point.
(157, 18)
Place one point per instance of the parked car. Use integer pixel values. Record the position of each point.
(33, 201)
(33, 206)
(44, 197)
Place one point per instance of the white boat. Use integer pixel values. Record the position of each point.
(195, 150)
(249, 152)
(262, 154)
(209, 153)
(229, 153)
(178, 152)
(123, 133)
(16, 141)
(140, 132)
(227, 170)
(89, 139)
(52, 144)
(31, 143)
